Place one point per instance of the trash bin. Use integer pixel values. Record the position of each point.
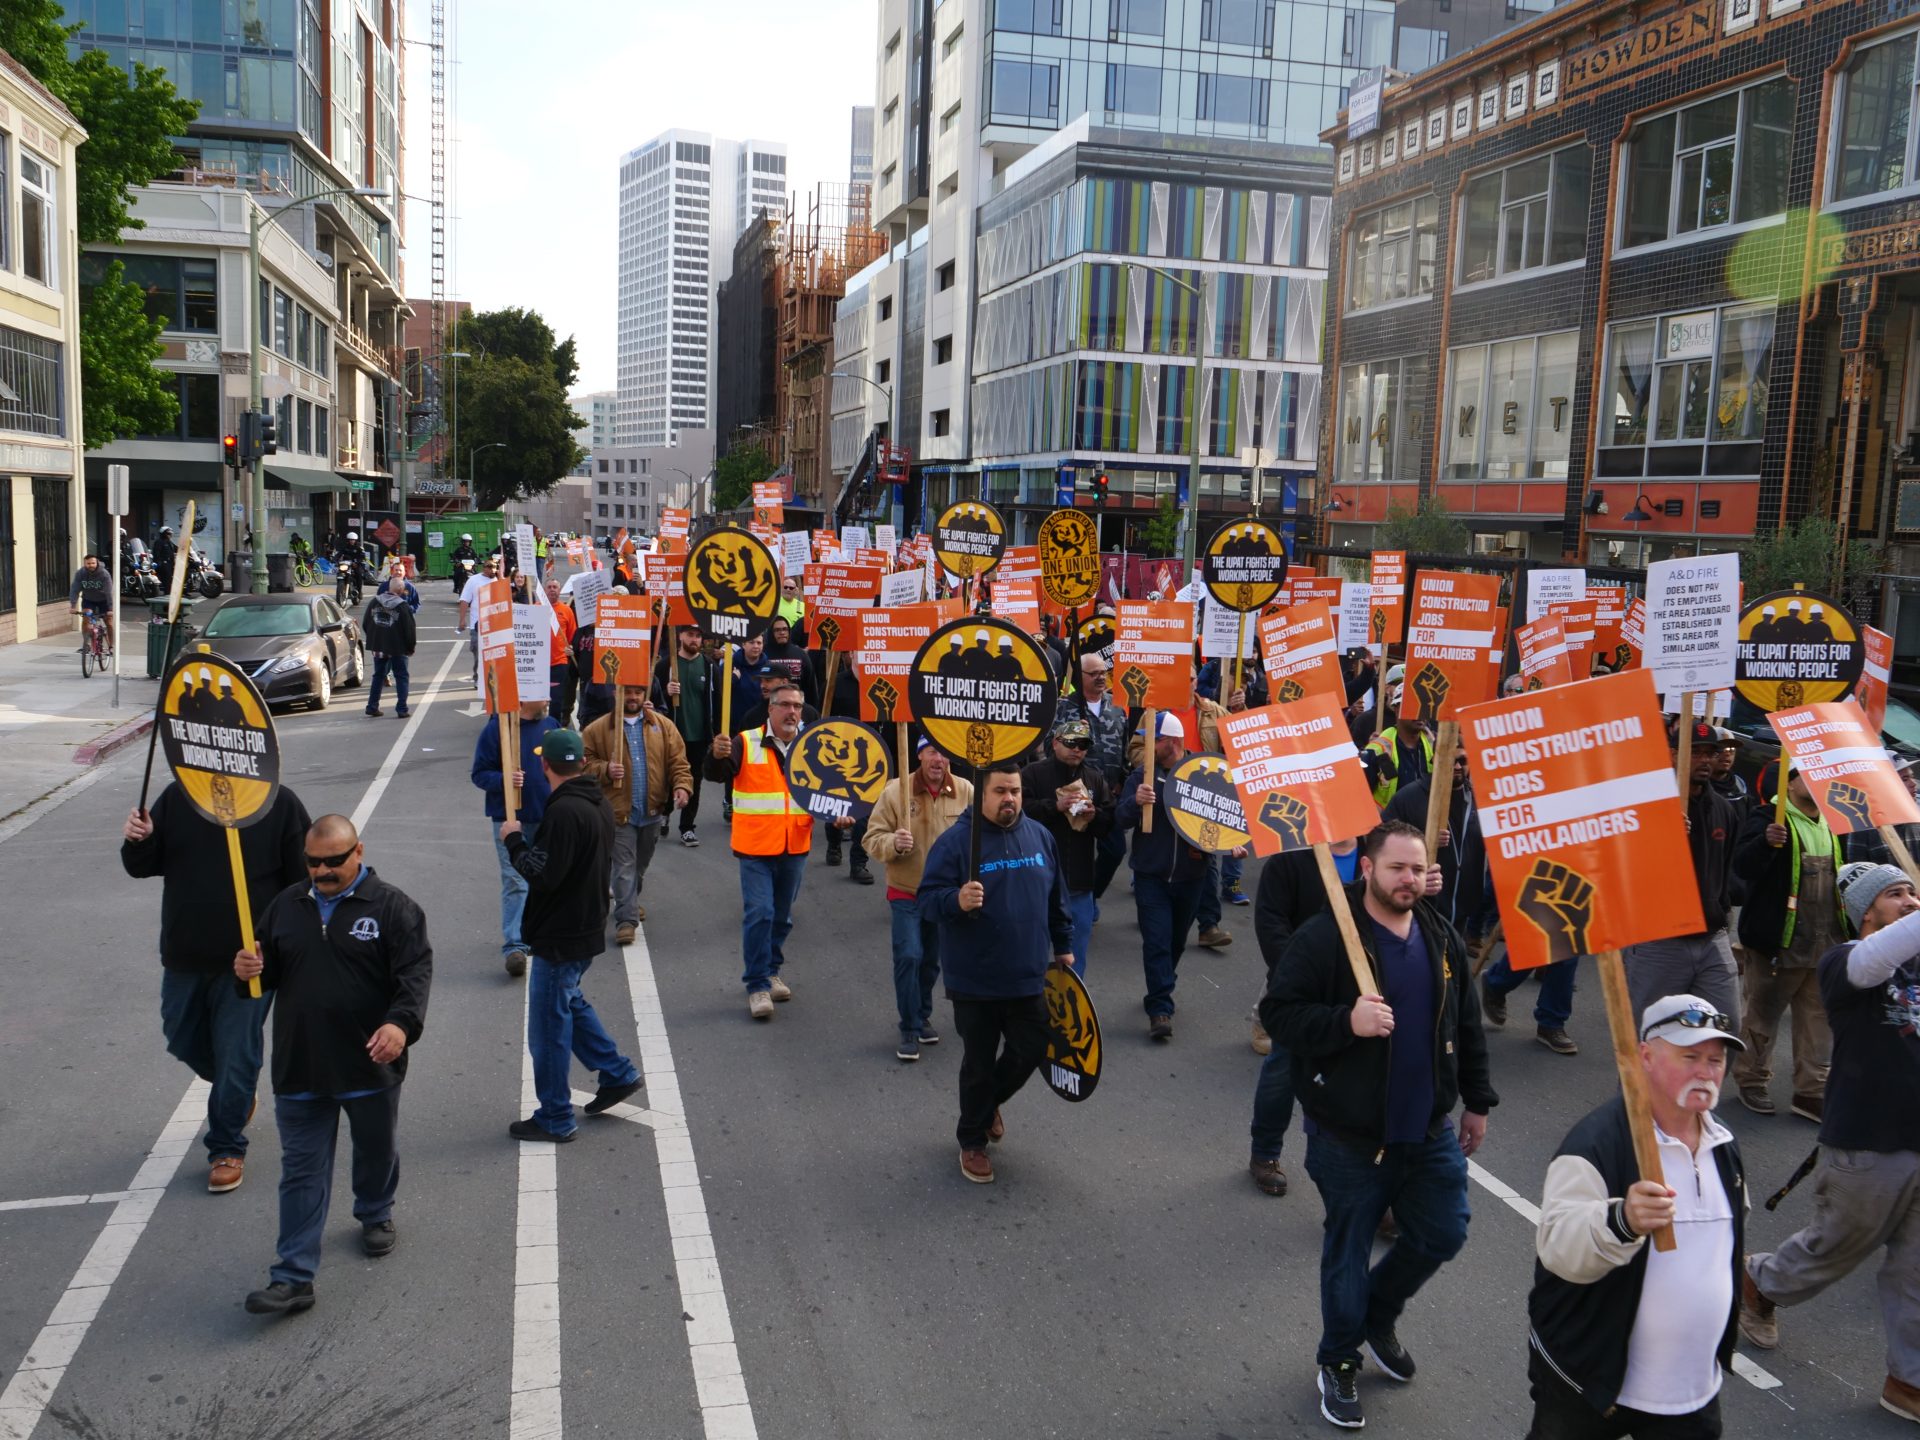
(159, 655)
(279, 574)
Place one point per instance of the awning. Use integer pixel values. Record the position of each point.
(286, 477)
(159, 474)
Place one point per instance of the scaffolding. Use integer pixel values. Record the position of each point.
(828, 238)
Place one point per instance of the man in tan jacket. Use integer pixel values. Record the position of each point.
(900, 832)
(640, 762)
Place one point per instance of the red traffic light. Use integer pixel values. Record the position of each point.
(230, 449)
(1100, 488)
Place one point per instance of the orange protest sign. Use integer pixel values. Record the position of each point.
(1838, 753)
(844, 591)
(1633, 636)
(1298, 774)
(1583, 634)
(666, 579)
(1871, 688)
(1301, 651)
(888, 639)
(493, 616)
(878, 559)
(1452, 628)
(1153, 653)
(1387, 625)
(1017, 602)
(1018, 563)
(1581, 811)
(1302, 589)
(623, 640)
(1544, 659)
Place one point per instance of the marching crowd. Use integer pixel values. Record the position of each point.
(1392, 1079)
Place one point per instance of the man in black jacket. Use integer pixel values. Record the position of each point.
(1379, 1075)
(1088, 800)
(1168, 873)
(213, 1027)
(1628, 1339)
(348, 957)
(390, 630)
(568, 870)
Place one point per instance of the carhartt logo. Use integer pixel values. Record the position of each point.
(365, 928)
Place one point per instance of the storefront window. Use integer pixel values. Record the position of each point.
(1510, 408)
(1382, 410)
(1692, 376)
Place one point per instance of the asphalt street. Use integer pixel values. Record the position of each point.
(780, 1243)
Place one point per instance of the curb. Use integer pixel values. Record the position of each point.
(115, 739)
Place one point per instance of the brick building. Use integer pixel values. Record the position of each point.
(1573, 285)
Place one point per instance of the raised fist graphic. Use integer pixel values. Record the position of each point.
(1290, 690)
(1431, 685)
(1379, 627)
(1560, 901)
(1135, 682)
(1851, 802)
(610, 667)
(829, 632)
(1286, 816)
(884, 697)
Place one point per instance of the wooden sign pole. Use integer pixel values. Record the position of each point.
(1633, 1079)
(832, 674)
(725, 725)
(906, 780)
(1683, 763)
(1239, 649)
(1380, 691)
(1146, 730)
(1343, 917)
(1900, 852)
(510, 760)
(1440, 786)
(239, 864)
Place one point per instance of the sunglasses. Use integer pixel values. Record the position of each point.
(1693, 1018)
(330, 862)
(1078, 744)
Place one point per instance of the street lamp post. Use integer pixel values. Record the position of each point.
(473, 458)
(1190, 521)
(886, 390)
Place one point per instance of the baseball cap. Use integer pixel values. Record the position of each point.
(566, 746)
(1705, 736)
(1861, 883)
(1899, 761)
(1396, 673)
(1073, 730)
(1168, 727)
(1685, 1020)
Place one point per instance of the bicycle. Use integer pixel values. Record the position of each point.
(304, 575)
(96, 645)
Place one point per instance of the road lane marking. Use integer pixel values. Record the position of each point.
(534, 1406)
(31, 1388)
(52, 800)
(1527, 1210)
(49, 1202)
(720, 1385)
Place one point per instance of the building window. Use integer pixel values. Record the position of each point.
(1238, 22)
(882, 371)
(52, 540)
(1026, 94)
(6, 597)
(1133, 90)
(39, 234)
(1873, 143)
(942, 422)
(30, 371)
(303, 421)
(7, 602)
(303, 337)
(1685, 378)
(1233, 100)
(322, 350)
(1382, 413)
(1509, 412)
(1029, 17)
(943, 350)
(322, 444)
(180, 293)
(283, 323)
(1416, 49)
(1526, 216)
(1137, 17)
(1720, 162)
(601, 511)
(886, 307)
(943, 277)
(1391, 255)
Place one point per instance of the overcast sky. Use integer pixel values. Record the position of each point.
(544, 100)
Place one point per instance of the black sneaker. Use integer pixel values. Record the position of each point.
(907, 1048)
(1493, 1007)
(929, 1036)
(280, 1298)
(377, 1240)
(1391, 1356)
(833, 855)
(608, 1096)
(1340, 1395)
(534, 1130)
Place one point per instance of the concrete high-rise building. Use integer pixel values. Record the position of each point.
(860, 170)
(685, 197)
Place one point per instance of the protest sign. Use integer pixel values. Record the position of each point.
(1354, 617)
(666, 580)
(1876, 669)
(886, 538)
(794, 552)
(1298, 774)
(1152, 655)
(903, 587)
(841, 593)
(837, 770)
(674, 524)
(732, 586)
(1544, 587)
(1326, 589)
(1097, 635)
(1245, 565)
(1544, 658)
(1389, 595)
(1795, 648)
(1204, 805)
(1301, 653)
(1580, 626)
(969, 539)
(1069, 545)
(981, 690)
(493, 614)
(588, 587)
(623, 641)
(1838, 753)
(1226, 634)
(1691, 617)
(887, 639)
(1072, 1067)
(1017, 603)
(1451, 629)
(531, 665)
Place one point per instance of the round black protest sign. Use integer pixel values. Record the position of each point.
(837, 770)
(1797, 648)
(970, 539)
(1245, 565)
(218, 735)
(1069, 545)
(982, 690)
(1097, 637)
(732, 586)
(1072, 1066)
(1205, 805)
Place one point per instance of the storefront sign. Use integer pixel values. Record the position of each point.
(1616, 57)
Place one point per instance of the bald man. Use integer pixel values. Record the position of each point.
(347, 955)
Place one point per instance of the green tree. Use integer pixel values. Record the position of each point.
(1162, 532)
(1427, 529)
(516, 430)
(734, 476)
(1809, 552)
(130, 127)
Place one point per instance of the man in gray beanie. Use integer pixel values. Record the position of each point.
(1868, 1178)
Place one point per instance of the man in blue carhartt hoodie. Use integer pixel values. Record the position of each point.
(490, 779)
(998, 933)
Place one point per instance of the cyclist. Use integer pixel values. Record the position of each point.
(302, 552)
(91, 594)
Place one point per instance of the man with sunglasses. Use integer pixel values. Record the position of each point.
(346, 956)
(1867, 1181)
(1627, 1339)
(1071, 800)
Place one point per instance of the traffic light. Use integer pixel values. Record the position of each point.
(269, 433)
(230, 449)
(1100, 488)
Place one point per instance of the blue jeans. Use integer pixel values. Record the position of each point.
(1425, 1185)
(309, 1131)
(1554, 1007)
(916, 964)
(383, 666)
(1080, 908)
(1223, 873)
(1166, 916)
(513, 893)
(214, 1028)
(1272, 1104)
(768, 884)
(562, 1024)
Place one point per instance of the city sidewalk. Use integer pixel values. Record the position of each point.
(54, 724)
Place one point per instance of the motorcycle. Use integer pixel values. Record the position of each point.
(138, 579)
(462, 572)
(349, 574)
(203, 576)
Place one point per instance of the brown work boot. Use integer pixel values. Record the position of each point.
(1268, 1175)
(1758, 1319)
(227, 1173)
(1810, 1107)
(1900, 1398)
(1262, 1042)
(760, 1004)
(975, 1165)
(998, 1129)
(1556, 1039)
(623, 934)
(1215, 938)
